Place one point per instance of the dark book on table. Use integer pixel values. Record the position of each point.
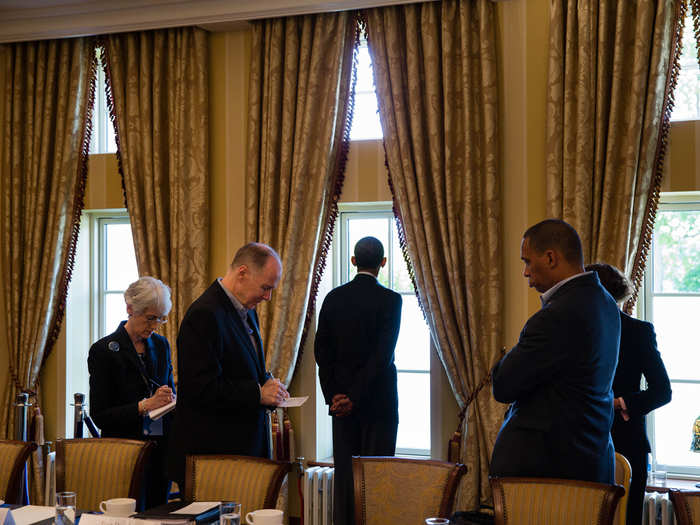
(165, 512)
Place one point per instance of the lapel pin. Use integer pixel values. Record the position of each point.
(113, 346)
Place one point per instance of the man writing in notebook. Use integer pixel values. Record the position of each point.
(223, 388)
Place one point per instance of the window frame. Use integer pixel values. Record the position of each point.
(341, 252)
(85, 308)
(672, 201)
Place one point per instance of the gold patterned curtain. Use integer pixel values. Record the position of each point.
(158, 97)
(435, 69)
(47, 101)
(300, 95)
(612, 66)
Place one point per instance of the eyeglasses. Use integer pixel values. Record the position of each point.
(155, 319)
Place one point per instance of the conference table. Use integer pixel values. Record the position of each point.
(175, 513)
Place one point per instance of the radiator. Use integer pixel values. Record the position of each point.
(658, 509)
(318, 496)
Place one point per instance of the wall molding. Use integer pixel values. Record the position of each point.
(22, 20)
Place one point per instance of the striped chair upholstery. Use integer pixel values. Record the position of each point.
(13, 456)
(623, 476)
(101, 468)
(401, 490)
(686, 506)
(548, 501)
(253, 482)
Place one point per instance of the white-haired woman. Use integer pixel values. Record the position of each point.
(131, 374)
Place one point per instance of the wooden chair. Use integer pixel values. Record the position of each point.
(253, 482)
(13, 457)
(99, 469)
(623, 476)
(549, 501)
(686, 506)
(400, 490)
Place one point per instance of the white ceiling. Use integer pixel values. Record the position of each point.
(22, 20)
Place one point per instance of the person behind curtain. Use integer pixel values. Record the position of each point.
(357, 331)
(558, 377)
(131, 374)
(224, 389)
(638, 357)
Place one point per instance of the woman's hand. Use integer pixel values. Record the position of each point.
(162, 396)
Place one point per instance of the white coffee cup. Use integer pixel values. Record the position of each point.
(118, 506)
(264, 517)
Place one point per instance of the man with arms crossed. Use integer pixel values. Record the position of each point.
(357, 331)
(223, 388)
(558, 378)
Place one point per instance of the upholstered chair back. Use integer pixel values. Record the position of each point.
(400, 490)
(549, 501)
(13, 455)
(686, 506)
(101, 468)
(623, 476)
(253, 482)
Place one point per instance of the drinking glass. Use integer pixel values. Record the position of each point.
(437, 521)
(660, 478)
(229, 513)
(65, 508)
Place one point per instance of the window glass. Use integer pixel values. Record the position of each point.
(672, 303)
(677, 252)
(359, 228)
(102, 139)
(105, 265)
(412, 354)
(414, 413)
(687, 92)
(413, 337)
(365, 122)
(120, 259)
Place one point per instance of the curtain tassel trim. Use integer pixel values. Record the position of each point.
(338, 180)
(78, 205)
(637, 273)
(103, 44)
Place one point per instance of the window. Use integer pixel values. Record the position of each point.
(365, 122)
(687, 93)
(412, 354)
(102, 139)
(672, 303)
(105, 265)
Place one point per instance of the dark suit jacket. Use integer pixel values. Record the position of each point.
(117, 383)
(219, 377)
(357, 331)
(559, 381)
(638, 356)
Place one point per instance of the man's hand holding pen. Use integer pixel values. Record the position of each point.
(273, 392)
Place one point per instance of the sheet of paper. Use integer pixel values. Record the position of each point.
(197, 507)
(160, 412)
(5, 516)
(103, 519)
(31, 514)
(294, 401)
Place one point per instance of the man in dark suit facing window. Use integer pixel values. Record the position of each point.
(223, 388)
(357, 331)
(558, 377)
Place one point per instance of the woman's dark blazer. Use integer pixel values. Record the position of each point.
(638, 356)
(117, 383)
